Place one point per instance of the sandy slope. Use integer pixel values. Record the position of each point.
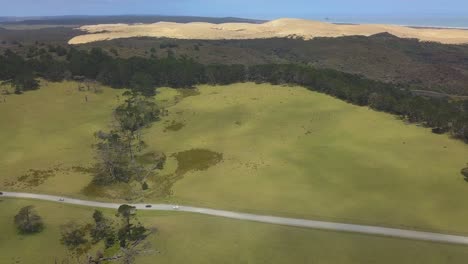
(277, 28)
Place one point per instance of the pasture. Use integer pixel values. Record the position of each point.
(255, 148)
(290, 151)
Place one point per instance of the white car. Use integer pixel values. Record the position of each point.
(175, 207)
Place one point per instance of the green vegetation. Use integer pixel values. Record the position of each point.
(205, 239)
(47, 136)
(36, 177)
(312, 156)
(278, 150)
(117, 151)
(27, 221)
(290, 151)
(120, 242)
(464, 172)
(421, 65)
(142, 75)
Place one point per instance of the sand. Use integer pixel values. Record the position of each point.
(280, 28)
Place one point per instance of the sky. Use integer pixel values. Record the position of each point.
(262, 9)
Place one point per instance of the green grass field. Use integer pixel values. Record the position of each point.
(285, 151)
(205, 239)
(51, 128)
(289, 151)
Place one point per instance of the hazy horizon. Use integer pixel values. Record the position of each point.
(437, 20)
(417, 12)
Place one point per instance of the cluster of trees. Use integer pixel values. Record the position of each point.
(17, 71)
(126, 234)
(28, 221)
(143, 74)
(119, 149)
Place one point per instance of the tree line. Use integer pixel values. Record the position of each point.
(144, 74)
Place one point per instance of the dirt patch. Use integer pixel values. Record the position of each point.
(174, 126)
(84, 170)
(196, 160)
(34, 178)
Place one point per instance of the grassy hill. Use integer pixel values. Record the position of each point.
(204, 239)
(256, 148)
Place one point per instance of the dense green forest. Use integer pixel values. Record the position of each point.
(144, 74)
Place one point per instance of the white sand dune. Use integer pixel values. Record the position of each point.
(285, 27)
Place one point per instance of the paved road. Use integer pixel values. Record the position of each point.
(363, 229)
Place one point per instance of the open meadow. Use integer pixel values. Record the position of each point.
(45, 133)
(265, 149)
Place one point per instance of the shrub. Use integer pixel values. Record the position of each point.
(464, 172)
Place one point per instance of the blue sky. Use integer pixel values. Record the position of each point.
(241, 8)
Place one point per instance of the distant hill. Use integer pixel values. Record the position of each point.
(128, 19)
(283, 27)
(9, 19)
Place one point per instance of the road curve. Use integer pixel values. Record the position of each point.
(363, 229)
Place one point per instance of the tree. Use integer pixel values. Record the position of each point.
(25, 82)
(135, 114)
(126, 212)
(114, 159)
(73, 236)
(464, 172)
(80, 239)
(114, 51)
(27, 221)
(117, 150)
(129, 232)
(143, 83)
(102, 229)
